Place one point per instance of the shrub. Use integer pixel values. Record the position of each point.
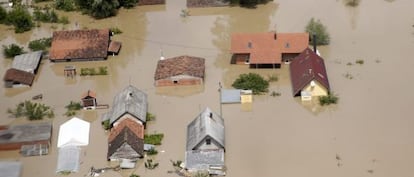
(251, 81)
(154, 139)
(33, 111)
(176, 163)
(150, 117)
(329, 99)
(352, 3)
(12, 50)
(128, 3)
(3, 14)
(106, 124)
(116, 30)
(152, 151)
(64, 20)
(274, 94)
(133, 175)
(40, 44)
(149, 164)
(21, 19)
(359, 62)
(317, 28)
(66, 5)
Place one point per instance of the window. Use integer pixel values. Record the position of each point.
(175, 82)
(208, 141)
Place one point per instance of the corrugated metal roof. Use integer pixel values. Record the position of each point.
(28, 62)
(204, 159)
(230, 96)
(10, 169)
(207, 123)
(26, 133)
(68, 159)
(130, 100)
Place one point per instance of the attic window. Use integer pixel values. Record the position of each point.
(208, 141)
(249, 45)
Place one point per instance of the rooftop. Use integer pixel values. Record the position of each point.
(79, 44)
(26, 133)
(28, 62)
(15, 75)
(267, 48)
(203, 160)
(207, 123)
(305, 68)
(181, 65)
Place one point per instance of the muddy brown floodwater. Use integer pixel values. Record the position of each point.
(369, 133)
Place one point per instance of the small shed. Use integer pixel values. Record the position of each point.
(28, 62)
(14, 137)
(114, 47)
(74, 132)
(89, 100)
(229, 96)
(18, 78)
(69, 71)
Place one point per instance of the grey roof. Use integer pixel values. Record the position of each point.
(130, 100)
(10, 169)
(26, 133)
(202, 160)
(207, 123)
(68, 159)
(28, 62)
(230, 96)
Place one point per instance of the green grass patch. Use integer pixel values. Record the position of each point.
(154, 139)
(329, 99)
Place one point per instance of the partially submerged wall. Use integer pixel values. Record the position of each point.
(207, 3)
(150, 2)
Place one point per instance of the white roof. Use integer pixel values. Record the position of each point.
(28, 62)
(74, 132)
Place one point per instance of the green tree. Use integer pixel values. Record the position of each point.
(251, 81)
(128, 3)
(40, 44)
(3, 14)
(104, 8)
(315, 27)
(12, 50)
(21, 19)
(66, 5)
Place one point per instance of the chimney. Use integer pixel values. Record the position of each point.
(211, 115)
(275, 35)
(314, 42)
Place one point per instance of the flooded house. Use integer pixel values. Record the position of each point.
(23, 70)
(14, 137)
(205, 144)
(127, 121)
(150, 2)
(207, 3)
(267, 50)
(130, 103)
(126, 141)
(88, 100)
(181, 70)
(81, 45)
(308, 75)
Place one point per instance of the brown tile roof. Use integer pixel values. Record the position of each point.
(15, 75)
(182, 65)
(265, 49)
(135, 127)
(306, 67)
(114, 46)
(89, 94)
(117, 147)
(79, 44)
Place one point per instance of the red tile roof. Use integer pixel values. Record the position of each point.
(265, 49)
(114, 46)
(135, 127)
(20, 76)
(89, 93)
(306, 67)
(182, 65)
(79, 44)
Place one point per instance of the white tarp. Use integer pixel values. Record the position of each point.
(74, 132)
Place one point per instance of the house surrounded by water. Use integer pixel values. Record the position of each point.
(181, 70)
(267, 50)
(308, 75)
(81, 45)
(206, 144)
(23, 70)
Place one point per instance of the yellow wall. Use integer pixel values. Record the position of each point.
(317, 90)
